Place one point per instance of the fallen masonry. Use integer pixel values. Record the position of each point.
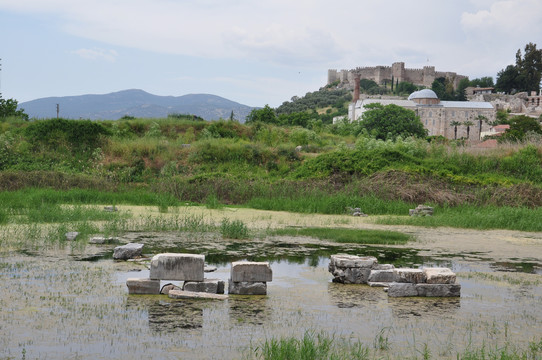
(247, 278)
(400, 282)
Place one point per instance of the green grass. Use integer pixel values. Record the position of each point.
(311, 347)
(233, 229)
(325, 346)
(348, 235)
(319, 202)
(473, 217)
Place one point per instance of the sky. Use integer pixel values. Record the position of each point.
(252, 52)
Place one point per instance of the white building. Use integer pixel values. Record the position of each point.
(442, 118)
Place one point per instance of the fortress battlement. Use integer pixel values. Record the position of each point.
(382, 73)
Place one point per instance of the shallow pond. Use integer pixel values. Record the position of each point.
(54, 305)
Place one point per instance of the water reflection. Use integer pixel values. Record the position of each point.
(407, 307)
(165, 316)
(355, 296)
(249, 310)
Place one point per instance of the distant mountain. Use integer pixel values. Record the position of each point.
(137, 103)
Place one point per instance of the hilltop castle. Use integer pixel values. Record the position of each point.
(397, 71)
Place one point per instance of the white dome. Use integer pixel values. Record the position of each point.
(423, 94)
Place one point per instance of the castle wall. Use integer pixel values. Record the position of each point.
(421, 77)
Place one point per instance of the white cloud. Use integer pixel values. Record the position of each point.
(505, 17)
(97, 54)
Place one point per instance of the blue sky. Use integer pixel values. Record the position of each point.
(253, 52)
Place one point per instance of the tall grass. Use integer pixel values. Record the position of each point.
(325, 346)
(331, 204)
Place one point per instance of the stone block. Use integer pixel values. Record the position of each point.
(247, 288)
(439, 276)
(71, 236)
(211, 286)
(439, 290)
(383, 267)
(180, 294)
(402, 290)
(172, 266)
(351, 275)
(128, 251)
(414, 276)
(103, 240)
(143, 286)
(352, 261)
(247, 271)
(168, 287)
(382, 276)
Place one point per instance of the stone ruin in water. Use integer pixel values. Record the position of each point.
(246, 278)
(401, 282)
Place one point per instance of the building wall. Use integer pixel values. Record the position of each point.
(421, 77)
(437, 119)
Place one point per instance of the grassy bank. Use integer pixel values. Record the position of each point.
(167, 162)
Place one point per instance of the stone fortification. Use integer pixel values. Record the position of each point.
(380, 74)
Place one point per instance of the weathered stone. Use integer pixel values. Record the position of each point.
(382, 276)
(209, 268)
(439, 276)
(251, 271)
(180, 294)
(439, 290)
(351, 275)
(383, 267)
(127, 251)
(211, 286)
(414, 276)
(402, 290)
(421, 210)
(247, 288)
(103, 240)
(143, 286)
(352, 261)
(168, 287)
(172, 266)
(379, 284)
(71, 236)
(110, 208)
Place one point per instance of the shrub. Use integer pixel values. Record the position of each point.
(233, 229)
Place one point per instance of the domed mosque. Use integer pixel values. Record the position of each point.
(440, 118)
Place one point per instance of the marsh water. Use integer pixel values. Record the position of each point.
(72, 302)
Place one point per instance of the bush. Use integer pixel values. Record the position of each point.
(233, 229)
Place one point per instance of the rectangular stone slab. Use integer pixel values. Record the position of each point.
(352, 261)
(439, 276)
(251, 271)
(382, 276)
(247, 288)
(172, 266)
(143, 286)
(406, 275)
(211, 286)
(180, 294)
(439, 290)
(402, 290)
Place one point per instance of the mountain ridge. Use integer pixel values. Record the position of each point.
(137, 103)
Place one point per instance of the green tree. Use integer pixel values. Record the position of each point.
(508, 80)
(525, 75)
(405, 87)
(468, 124)
(455, 124)
(483, 82)
(8, 108)
(460, 92)
(481, 119)
(520, 126)
(391, 121)
(265, 115)
(530, 67)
